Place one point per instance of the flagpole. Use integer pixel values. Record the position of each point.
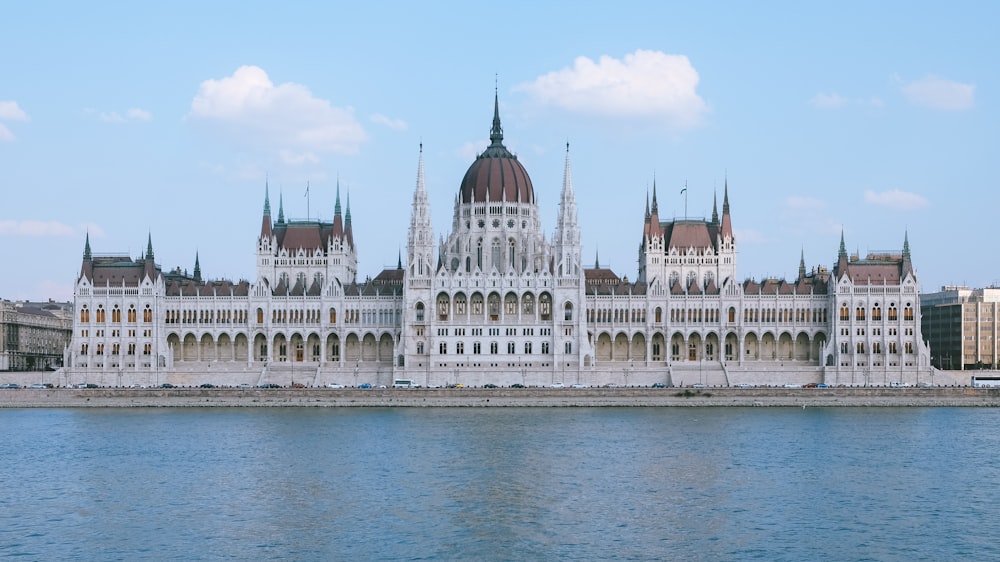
(308, 214)
(685, 193)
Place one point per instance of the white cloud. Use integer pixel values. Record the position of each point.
(5, 134)
(137, 114)
(896, 199)
(749, 236)
(10, 111)
(642, 84)
(796, 202)
(276, 117)
(937, 93)
(133, 114)
(395, 124)
(53, 229)
(297, 159)
(828, 101)
(470, 150)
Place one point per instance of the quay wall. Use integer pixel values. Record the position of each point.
(500, 397)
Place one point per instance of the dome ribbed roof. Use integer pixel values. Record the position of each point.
(496, 175)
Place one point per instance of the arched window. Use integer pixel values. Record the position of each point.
(420, 312)
(100, 314)
(845, 313)
(116, 314)
(569, 311)
(333, 315)
(545, 306)
(443, 306)
(131, 313)
(510, 254)
(147, 315)
(859, 314)
(84, 314)
(657, 315)
(479, 253)
(495, 256)
(893, 313)
(876, 314)
(908, 313)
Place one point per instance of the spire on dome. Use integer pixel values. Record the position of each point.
(496, 132)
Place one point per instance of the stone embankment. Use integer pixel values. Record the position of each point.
(499, 397)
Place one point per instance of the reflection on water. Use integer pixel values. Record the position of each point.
(507, 484)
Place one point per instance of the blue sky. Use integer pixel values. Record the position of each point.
(126, 120)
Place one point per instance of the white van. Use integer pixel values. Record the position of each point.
(404, 383)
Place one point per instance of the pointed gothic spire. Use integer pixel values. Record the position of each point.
(86, 249)
(725, 198)
(715, 208)
(281, 208)
(267, 200)
(655, 209)
(647, 205)
(197, 267)
(347, 214)
(842, 253)
(149, 247)
(496, 132)
(597, 259)
(802, 265)
(336, 206)
(399, 259)
(906, 245)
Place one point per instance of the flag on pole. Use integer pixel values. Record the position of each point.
(683, 190)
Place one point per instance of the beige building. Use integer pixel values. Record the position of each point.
(960, 324)
(33, 336)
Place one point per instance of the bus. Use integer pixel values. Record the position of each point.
(983, 381)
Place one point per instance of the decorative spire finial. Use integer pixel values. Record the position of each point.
(281, 207)
(149, 247)
(86, 248)
(496, 132)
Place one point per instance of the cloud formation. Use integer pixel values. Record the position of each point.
(395, 124)
(937, 93)
(10, 111)
(896, 199)
(133, 114)
(645, 84)
(828, 101)
(284, 119)
(44, 229)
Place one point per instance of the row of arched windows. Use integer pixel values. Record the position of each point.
(174, 316)
(491, 306)
(861, 313)
(100, 315)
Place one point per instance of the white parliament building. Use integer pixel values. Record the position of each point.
(497, 301)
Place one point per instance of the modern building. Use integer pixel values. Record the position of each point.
(34, 335)
(962, 325)
(499, 300)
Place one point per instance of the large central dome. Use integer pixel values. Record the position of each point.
(496, 175)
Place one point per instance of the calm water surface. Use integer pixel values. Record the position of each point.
(500, 484)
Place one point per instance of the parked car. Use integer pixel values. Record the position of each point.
(207, 385)
(580, 385)
(489, 385)
(334, 385)
(517, 385)
(37, 385)
(557, 385)
(298, 385)
(659, 385)
(166, 385)
(10, 385)
(698, 385)
(269, 385)
(365, 385)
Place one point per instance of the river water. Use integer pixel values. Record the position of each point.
(500, 484)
